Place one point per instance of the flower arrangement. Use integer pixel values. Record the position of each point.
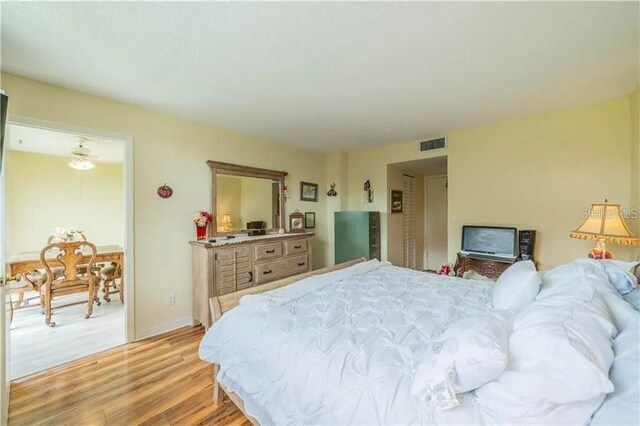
(202, 218)
(64, 235)
(446, 269)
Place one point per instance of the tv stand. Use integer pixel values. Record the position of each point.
(489, 268)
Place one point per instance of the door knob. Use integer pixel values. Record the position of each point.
(8, 278)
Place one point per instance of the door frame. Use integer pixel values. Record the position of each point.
(426, 216)
(128, 141)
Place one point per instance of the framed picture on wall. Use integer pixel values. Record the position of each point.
(309, 220)
(396, 201)
(308, 191)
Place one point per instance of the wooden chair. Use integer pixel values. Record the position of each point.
(110, 274)
(30, 281)
(75, 276)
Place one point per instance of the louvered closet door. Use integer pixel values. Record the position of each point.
(409, 221)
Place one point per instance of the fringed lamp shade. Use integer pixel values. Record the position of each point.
(605, 224)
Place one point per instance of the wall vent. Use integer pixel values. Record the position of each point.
(432, 144)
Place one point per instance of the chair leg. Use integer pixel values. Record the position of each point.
(106, 289)
(20, 299)
(90, 297)
(10, 309)
(121, 290)
(47, 309)
(96, 294)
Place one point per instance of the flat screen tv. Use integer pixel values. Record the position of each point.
(496, 240)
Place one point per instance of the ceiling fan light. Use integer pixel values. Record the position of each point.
(81, 164)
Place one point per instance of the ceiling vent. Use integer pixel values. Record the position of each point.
(432, 144)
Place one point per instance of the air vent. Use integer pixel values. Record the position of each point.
(433, 144)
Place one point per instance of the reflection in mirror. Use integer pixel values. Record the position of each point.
(241, 200)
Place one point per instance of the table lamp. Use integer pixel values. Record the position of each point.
(604, 224)
(226, 221)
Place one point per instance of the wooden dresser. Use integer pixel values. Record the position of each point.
(233, 265)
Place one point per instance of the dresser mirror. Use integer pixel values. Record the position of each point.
(241, 195)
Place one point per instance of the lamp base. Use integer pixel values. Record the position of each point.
(597, 253)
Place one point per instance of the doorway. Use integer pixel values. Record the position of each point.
(66, 184)
(418, 238)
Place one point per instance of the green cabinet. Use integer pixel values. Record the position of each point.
(357, 234)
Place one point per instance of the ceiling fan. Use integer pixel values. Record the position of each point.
(81, 157)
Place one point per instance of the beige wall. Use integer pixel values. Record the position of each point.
(635, 161)
(536, 172)
(172, 150)
(42, 193)
(336, 165)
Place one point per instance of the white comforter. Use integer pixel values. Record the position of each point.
(340, 348)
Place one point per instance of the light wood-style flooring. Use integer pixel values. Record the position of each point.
(36, 347)
(157, 381)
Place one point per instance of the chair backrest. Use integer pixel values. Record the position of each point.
(71, 255)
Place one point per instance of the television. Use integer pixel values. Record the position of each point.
(493, 240)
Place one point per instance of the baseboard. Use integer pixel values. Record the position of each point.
(164, 328)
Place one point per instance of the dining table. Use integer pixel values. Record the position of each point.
(28, 265)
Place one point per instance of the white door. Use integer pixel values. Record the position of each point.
(409, 221)
(436, 226)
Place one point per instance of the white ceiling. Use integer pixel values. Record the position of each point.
(331, 75)
(29, 139)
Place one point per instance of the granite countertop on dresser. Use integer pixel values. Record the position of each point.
(244, 238)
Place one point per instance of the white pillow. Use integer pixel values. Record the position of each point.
(559, 358)
(621, 274)
(516, 287)
(474, 348)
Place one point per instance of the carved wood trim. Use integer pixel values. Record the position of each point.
(221, 168)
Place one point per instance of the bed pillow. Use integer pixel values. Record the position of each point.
(621, 274)
(516, 287)
(472, 351)
(560, 353)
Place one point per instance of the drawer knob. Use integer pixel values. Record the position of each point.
(297, 247)
(267, 272)
(271, 251)
(301, 263)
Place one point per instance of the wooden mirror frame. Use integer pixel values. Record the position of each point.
(218, 167)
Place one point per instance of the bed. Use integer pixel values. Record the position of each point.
(342, 345)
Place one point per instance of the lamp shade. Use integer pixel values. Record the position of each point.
(226, 218)
(81, 164)
(605, 223)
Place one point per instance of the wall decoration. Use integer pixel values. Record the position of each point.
(296, 222)
(396, 201)
(308, 191)
(165, 191)
(367, 193)
(332, 192)
(309, 220)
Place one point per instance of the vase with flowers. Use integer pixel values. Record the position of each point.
(446, 269)
(201, 219)
(66, 235)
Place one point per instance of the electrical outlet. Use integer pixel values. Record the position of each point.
(171, 299)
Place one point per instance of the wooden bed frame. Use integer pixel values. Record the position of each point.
(221, 304)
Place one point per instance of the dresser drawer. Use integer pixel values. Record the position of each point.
(268, 251)
(268, 272)
(296, 265)
(295, 246)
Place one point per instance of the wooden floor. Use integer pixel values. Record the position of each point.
(158, 381)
